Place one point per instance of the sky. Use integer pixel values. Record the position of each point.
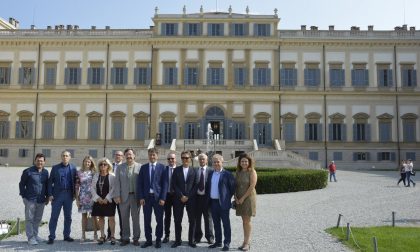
(137, 14)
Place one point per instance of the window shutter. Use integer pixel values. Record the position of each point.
(186, 130)
(246, 29)
(317, 77)
(209, 76)
(306, 76)
(209, 30)
(353, 77)
(199, 29)
(163, 29)
(222, 76)
(136, 76)
(320, 130)
(186, 82)
(255, 131)
(294, 79)
(176, 30)
(380, 77)
(282, 74)
(9, 75)
(379, 156)
(268, 141)
(161, 129)
(393, 156)
(18, 131)
(354, 156)
(173, 130)
(236, 73)
(404, 77)
(368, 137)
(414, 78)
(354, 132)
(33, 75)
(185, 31)
(175, 81)
(79, 75)
(113, 75)
(222, 29)
(20, 75)
(390, 78)
(306, 132)
(149, 76)
(255, 30)
(342, 77)
(255, 76)
(330, 132)
(366, 77)
(268, 75)
(89, 77)
(232, 29)
(125, 76)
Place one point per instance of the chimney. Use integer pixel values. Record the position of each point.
(397, 28)
(76, 27)
(107, 27)
(355, 28)
(404, 27)
(49, 27)
(69, 27)
(412, 28)
(314, 28)
(32, 27)
(370, 27)
(93, 27)
(12, 21)
(303, 27)
(331, 28)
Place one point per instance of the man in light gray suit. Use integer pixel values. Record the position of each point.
(126, 197)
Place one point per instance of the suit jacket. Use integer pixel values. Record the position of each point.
(206, 175)
(226, 188)
(122, 185)
(109, 196)
(54, 181)
(159, 183)
(184, 187)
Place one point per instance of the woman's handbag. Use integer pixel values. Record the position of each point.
(90, 225)
(413, 173)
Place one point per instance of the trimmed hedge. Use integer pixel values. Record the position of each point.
(288, 180)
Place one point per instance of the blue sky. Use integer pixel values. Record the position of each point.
(383, 14)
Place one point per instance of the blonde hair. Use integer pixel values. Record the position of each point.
(92, 167)
(105, 160)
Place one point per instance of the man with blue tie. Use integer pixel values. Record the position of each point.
(152, 186)
(221, 187)
(61, 194)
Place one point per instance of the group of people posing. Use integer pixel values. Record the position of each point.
(101, 189)
(406, 171)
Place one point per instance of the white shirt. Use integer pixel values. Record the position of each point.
(170, 172)
(185, 173)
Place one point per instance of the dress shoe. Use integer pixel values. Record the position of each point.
(176, 244)
(197, 241)
(210, 241)
(166, 239)
(215, 245)
(225, 248)
(50, 241)
(136, 243)
(69, 239)
(124, 242)
(158, 244)
(192, 245)
(147, 244)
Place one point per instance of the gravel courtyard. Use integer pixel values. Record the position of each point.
(284, 222)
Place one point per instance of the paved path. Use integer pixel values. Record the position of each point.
(284, 222)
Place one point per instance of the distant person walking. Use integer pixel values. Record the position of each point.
(245, 196)
(33, 189)
(409, 171)
(402, 173)
(333, 169)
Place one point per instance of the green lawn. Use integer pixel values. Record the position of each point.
(388, 238)
(14, 230)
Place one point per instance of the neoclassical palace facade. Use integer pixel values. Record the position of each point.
(351, 96)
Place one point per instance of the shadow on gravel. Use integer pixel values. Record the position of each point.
(411, 221)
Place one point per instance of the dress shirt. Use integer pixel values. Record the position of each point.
(151, 167)
(185, 173)
(214, 192)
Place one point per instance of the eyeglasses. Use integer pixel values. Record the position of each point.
(185, 157)
(103, 164)
(171, 159)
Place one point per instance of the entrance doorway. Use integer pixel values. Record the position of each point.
(215, 126)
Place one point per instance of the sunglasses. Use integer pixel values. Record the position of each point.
(171, 159)
(103, 164)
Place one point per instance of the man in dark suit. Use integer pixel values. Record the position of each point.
(152, 186)
(221, 187)
(61, 194)
(185, 186)
(202, 202)
(170, 196)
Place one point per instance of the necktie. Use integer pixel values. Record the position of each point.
(201, 183)
(152, 176)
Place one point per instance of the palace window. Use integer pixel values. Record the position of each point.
(312, 75)
(117, 125)
(361, 128)
(215, 29)
(191, 74)
(262, 74)
(384, 74)
(262, 30)
(119, 73)
(313, 127)
(4, 125)
(170, 73)
(48, 119)
(288, 75)
(143, 74)
(240, 74)
(94, 125)
(71, 122)
(96, 73)
(238, 29)
(359, 75)
(27, 73)
(5, 73)
(215, 74)
(73, 74)
(24, 126)
(408, 75)
(192, 29)
(409, 127)
(169, 29)
(50, 75)
(336, 75)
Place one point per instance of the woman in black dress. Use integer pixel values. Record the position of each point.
(102, 192)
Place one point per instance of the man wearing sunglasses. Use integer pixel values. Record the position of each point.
(170, 195)
(185, 186)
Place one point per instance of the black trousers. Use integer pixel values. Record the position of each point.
(179, 214)
(403, 176)
(120, 222)
(202, 208)
(169, 205)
